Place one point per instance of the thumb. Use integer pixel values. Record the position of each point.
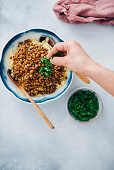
(60, 61)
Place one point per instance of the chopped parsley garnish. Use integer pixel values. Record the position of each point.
(47, 68)
(83, 105)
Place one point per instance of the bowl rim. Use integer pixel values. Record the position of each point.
(100, 105)
(12, 40)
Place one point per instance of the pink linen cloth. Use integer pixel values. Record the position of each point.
(85, 11)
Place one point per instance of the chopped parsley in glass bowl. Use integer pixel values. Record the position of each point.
(84, 105)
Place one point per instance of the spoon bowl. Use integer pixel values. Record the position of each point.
(51, 41)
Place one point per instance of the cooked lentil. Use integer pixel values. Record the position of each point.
(26, 63)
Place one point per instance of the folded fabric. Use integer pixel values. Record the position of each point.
(85, 11)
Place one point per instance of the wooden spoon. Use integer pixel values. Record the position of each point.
(30, 99)
(52, 43)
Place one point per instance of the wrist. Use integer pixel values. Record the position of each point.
(102, 76)
(90, 69)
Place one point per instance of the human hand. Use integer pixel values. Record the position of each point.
(75, 58)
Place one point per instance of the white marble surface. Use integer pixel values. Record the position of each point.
(26, 142)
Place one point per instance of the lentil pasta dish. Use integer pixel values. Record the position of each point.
(26, 65)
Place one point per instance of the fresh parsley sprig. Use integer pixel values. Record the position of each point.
(47, 68)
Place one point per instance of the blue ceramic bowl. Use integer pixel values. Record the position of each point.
(4, 66)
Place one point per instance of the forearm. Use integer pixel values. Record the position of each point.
(102, 76)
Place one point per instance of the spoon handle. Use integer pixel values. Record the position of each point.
(30, 99)
(83, 78)
(36, 106)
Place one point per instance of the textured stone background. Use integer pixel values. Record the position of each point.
(26, 142)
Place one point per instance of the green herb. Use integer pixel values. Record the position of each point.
(47, 68)
(83, 105)
(57, 54)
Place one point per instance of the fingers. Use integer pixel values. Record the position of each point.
(57, 47)
(60, 61)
